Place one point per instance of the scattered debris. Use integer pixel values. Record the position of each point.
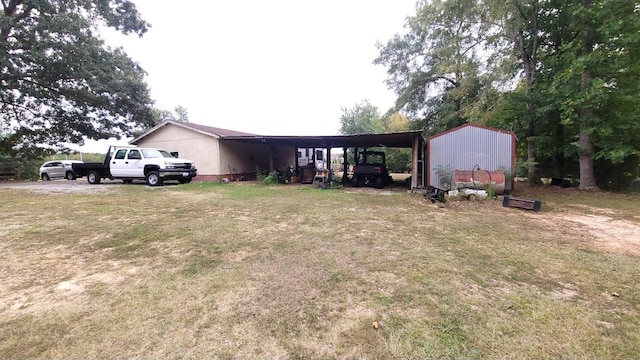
(375, 325)
(527, 204)
(435, 194)
(469, 193)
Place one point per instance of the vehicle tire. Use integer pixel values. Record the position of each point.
(127, 181)
(379, 183)
(153, 179)
(70, 175)
(357, 181)
(45, 177)
(93, 177)
(185, 181)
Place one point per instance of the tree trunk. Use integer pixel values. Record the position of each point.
(529, 58)
(585, 147)
(587, 174)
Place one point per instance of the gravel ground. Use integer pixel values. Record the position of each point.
(58, 187)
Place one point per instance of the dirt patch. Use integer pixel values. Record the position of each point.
(600, 232)
(606, 233)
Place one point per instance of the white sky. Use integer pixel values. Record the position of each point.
(278, 67)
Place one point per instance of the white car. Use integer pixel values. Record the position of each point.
(58, 169)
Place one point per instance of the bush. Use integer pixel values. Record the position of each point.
(618, 176)
(22, 168)
(271, 179)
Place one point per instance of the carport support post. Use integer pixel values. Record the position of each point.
(345, 176)
(295, 172)
(272, 162)
(415, 148)
(328, 162)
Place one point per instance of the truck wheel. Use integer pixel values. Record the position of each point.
(379, 183)
(70, 175)
(93, 177)
(45, 177)
(153, 178)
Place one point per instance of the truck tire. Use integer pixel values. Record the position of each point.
(70, 175)
(379, 182)
(93, 177)
(153, 179)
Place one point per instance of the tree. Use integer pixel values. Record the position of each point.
(435, 68)
(179, 113)
(182, 113)
(598, 82)
(60, 82)
(363, 118)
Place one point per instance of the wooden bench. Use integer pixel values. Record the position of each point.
(521, 203)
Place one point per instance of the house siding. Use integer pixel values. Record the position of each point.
(215, 157)
(200, 148)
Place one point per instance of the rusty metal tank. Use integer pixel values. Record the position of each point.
(479, 179)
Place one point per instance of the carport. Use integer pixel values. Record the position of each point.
(409, 139)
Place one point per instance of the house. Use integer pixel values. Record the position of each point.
(469, 147)
(214, 155)
(220, 153)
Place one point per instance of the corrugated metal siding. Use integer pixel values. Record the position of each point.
(464, 147)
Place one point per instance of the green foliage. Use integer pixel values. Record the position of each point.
(60, 82)
(551, 72)
(272, 178)
(22, 168)
(179, 113)
(398, 160)
(336, 182)
(444, 175)
(433, 68)
(363, 118)
(617, 176)
(260, 175)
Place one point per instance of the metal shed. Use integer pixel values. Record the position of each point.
(468, 146)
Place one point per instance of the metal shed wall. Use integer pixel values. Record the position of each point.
(463, 147)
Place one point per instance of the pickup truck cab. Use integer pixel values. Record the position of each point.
(130, 163)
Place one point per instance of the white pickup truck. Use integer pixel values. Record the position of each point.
(131, 163)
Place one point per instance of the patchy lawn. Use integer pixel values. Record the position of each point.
(247, 271)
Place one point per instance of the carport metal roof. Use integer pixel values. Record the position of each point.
(395, 140)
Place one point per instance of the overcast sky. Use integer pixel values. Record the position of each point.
(278, 67)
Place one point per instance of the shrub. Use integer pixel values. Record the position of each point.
(271, 179)
(618, 176)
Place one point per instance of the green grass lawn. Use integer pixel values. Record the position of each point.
(241, 270)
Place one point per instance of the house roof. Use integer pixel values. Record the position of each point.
(399, 139)
(203, 129)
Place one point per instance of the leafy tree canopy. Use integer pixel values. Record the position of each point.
(179, 113)
(60, 82)
(363, 118)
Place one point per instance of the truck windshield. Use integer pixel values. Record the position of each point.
(153, 153)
